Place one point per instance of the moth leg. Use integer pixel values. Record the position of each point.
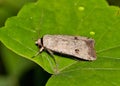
(50, 52)
(41, 49)
(52, 55)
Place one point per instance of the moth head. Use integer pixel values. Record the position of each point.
(39, 43)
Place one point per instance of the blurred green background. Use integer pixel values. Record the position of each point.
(14, 70)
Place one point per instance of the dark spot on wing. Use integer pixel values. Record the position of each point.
(76, 38)
(77, 50)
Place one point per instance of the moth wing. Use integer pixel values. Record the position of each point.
(77, 46)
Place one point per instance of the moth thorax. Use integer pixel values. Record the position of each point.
(39, 43)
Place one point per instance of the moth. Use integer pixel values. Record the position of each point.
(76, 46)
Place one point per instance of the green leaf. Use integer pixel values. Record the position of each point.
(72, 17)
(102, 72)
(14, 64)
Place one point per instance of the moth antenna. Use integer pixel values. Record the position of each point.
(38, 34)
(34, 39)
(41, 22)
